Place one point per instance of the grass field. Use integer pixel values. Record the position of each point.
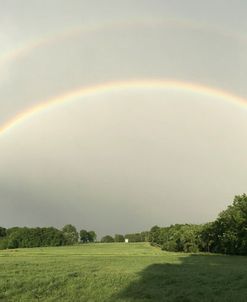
(119, 272)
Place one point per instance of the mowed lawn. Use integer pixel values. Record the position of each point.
(119, 272)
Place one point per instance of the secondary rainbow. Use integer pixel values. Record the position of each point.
(108, 87)
(51, 38)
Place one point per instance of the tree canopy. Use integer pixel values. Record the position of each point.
(70, 234)
(107, 239)
(227, 234)
(118, 238)
(3, 232)
(86, 236)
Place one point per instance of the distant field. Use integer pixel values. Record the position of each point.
(119, 272)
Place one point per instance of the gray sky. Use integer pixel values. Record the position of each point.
(125, 160)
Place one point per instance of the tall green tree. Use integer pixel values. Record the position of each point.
(91, 236)
(118, 238)
(70, 234)
(83, 236)
(229, 231)
(3, 232)
(154, 234)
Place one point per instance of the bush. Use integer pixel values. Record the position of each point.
(119, 238)
(3, 243)
(107, 239)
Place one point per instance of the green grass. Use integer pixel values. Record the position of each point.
(120, 272)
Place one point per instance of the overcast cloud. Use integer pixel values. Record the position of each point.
(126, 160)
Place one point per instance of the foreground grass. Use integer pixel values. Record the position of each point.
(119, 272)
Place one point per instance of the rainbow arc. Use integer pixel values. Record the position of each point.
(118, 86)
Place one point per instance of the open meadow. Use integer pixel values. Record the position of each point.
(119, 272)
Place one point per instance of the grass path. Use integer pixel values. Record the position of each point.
(119, 272)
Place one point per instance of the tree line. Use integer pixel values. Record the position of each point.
(135, 237)
(24, 237)
(227, 234)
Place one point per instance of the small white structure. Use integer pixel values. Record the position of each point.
(126, 240)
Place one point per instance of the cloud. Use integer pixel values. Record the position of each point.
(124, 161)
